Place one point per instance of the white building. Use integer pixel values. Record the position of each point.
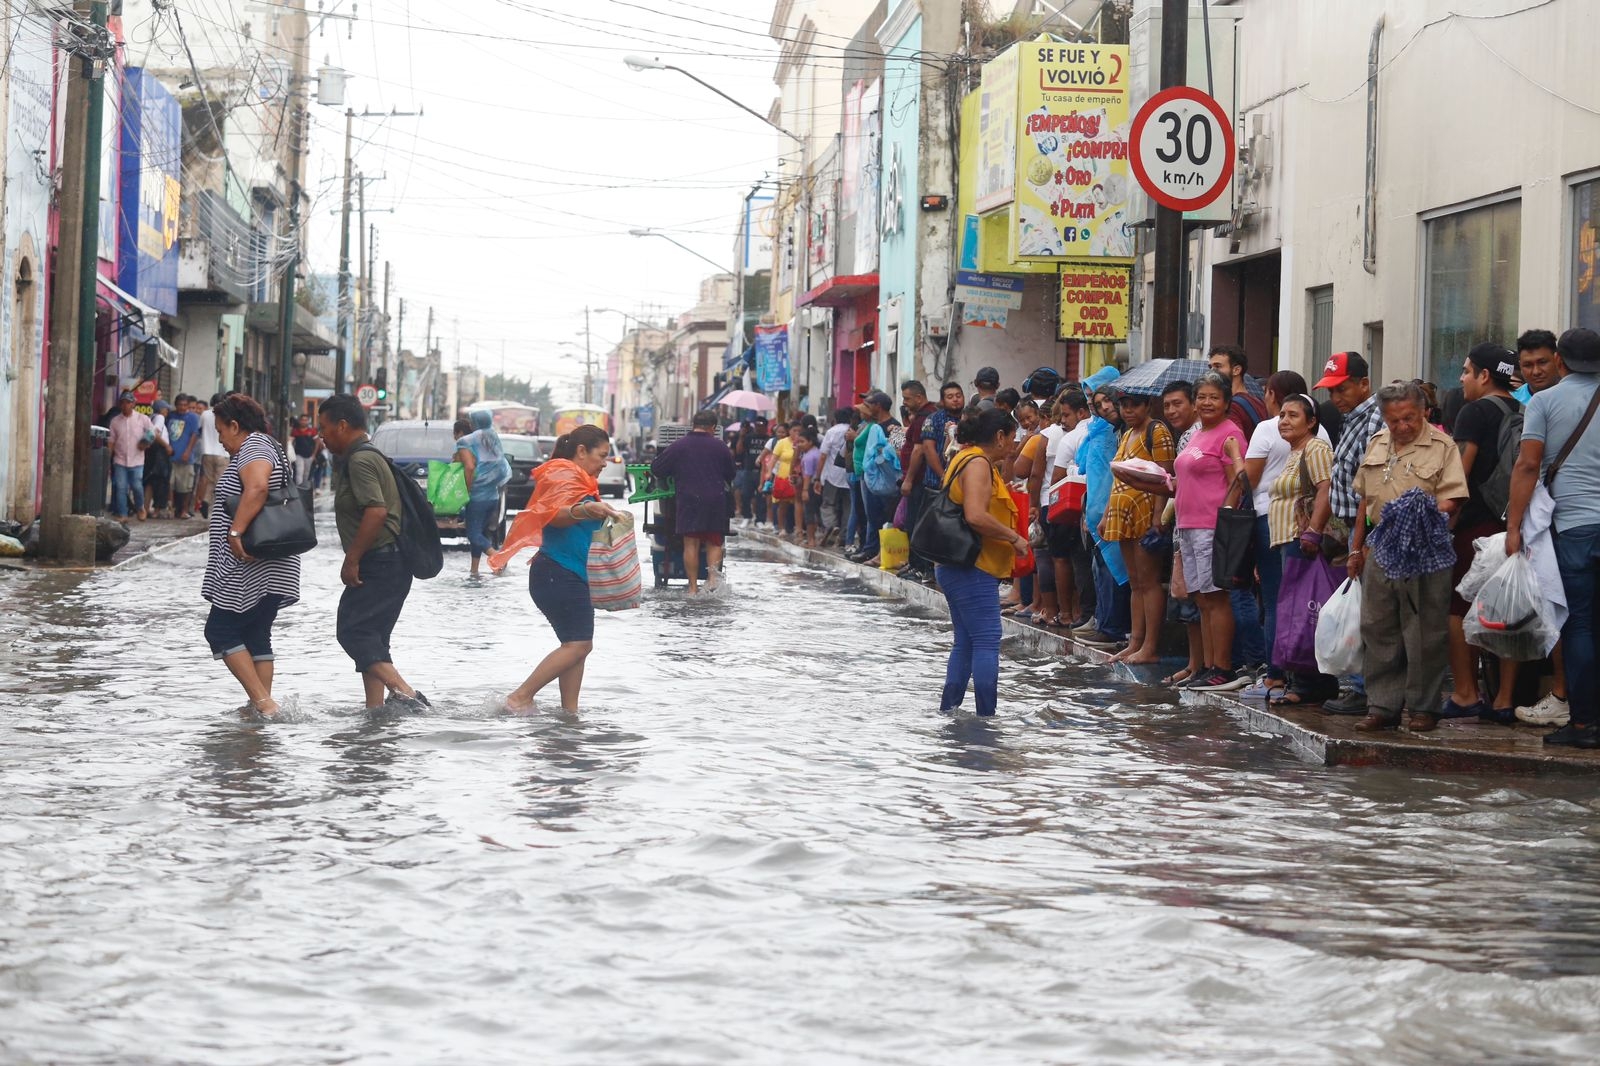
(1417, 176)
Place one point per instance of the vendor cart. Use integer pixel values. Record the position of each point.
(666, 547)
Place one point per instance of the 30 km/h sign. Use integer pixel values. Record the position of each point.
(367, 395)
(1182, 148)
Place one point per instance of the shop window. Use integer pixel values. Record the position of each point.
(1585, 235)
(1474, 261)
(1321, 326)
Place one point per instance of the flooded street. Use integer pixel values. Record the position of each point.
(759, 842)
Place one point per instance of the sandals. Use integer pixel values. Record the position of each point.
(1177, 677)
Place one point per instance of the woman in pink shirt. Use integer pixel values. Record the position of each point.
(1204, 471)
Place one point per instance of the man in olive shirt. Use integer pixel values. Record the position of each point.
(366, 508)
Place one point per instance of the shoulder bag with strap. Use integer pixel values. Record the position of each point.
(1233, 561)
(942, 534)
(1572, 441)
(1335, 538)
(284, 526)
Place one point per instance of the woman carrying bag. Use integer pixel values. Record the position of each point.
(561, 519)
(1299, 510)
(974, 553)
(1205, 471)
(246, 593)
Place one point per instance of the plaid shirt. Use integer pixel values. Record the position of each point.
(1359, 427)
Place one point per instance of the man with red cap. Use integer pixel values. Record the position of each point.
(1345, 376)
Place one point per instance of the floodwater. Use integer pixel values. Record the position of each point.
(758, 843)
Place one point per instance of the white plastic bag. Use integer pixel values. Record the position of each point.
(1339, 646)
(1487, 555)
(1510, 616)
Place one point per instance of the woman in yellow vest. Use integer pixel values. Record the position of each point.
(973, 592)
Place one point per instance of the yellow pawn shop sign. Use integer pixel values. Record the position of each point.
(1094, 301)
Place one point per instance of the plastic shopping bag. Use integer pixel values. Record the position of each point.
(614, 581)
(1024, 566)
(894, 548)
(1339, 647)
(1307, 586)
(1489, 553)
(447, 487)
(1509, 616)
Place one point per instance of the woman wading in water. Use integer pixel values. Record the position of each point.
(561, 519)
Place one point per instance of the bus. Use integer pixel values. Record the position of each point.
(573, 415)
(510, 417)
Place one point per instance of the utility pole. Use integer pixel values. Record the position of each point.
(1167, 325)
(502, 368)
(588, 361)
(65, 427)
(84, 495)
(339, 381)
(286, 314)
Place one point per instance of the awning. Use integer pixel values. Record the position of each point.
(730, 360)
(839, 291)
(716, 397)
(144, 321)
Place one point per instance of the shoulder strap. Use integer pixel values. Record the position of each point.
(955, 475)
(1572, 441)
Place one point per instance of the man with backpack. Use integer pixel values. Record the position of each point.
(377, 574)
(1489, 433)
(1245, 408)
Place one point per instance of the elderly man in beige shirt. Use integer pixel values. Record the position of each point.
(1404, 622)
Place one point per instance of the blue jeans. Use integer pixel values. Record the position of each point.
(126, 479)
(880, 509)
(1111, 602)
(1578, 556)
(1269, 564)
(476, 517)
(974, 599)
(1249, 636)
(856, 533)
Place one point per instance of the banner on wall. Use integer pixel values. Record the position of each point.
(151, 187)
(1073, 184)
(1094, 301)
(997, 130)
(772, 358)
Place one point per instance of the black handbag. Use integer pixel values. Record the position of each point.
(1233, 556)
(942, 534)
(284, 526)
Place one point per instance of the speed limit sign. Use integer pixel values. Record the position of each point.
(1182, 146)
(367, 395)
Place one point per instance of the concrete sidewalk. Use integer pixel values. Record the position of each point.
(150, 536)
(1457, 746)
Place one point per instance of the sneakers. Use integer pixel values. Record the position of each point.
(1573, 735)
(1096, 639)
(1215, 680)
(395, 701)
(1552, 710)
(1451, 709)
(1085, 628)
(1351, 703)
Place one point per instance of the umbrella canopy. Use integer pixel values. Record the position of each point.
(750, 401)
(1148, 379)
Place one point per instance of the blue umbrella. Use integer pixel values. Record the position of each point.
(1149, 379)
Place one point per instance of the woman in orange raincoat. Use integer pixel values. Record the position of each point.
(560, 520)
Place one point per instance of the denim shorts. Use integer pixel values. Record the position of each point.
(563, 598)
(228, 632)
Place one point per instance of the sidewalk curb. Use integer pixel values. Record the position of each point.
(1312, 736)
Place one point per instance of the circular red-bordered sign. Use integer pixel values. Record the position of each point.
(1181, 146)
(367, 395)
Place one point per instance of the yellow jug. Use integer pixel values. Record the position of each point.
(894, 548)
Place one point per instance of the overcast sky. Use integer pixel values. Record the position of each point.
(538, 151)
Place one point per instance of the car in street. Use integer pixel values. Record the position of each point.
(412, 444)
(614, 480)
(525, 453)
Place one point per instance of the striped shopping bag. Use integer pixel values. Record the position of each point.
(614, 581)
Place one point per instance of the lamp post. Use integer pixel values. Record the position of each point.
(672, 240)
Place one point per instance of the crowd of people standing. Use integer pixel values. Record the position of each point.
(1395, 485)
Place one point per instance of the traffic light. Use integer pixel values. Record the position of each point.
(381, 380)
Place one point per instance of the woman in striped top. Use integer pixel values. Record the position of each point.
(245, 593)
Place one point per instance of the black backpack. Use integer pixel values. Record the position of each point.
(1496, 488)
(419, 529)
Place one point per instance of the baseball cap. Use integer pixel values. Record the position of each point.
(1497, 359)
(987, 376)
(161, 405)
(877, 398)
(1341, 367)
(128, 396)
(1580, 350)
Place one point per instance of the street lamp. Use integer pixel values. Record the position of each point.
(657, 233)
(640, 63)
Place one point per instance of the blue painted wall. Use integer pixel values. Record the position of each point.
(897, 253)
